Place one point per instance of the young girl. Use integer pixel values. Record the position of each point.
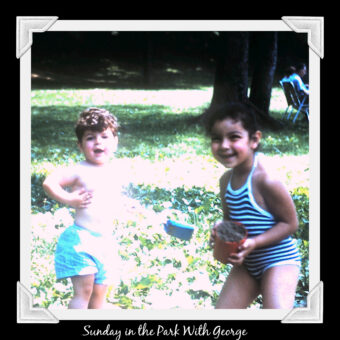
(268, 261)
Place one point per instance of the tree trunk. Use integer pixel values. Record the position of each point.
(231, 77)
(265, 45)
(147, 60)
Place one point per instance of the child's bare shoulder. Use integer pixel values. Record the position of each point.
(63, 175)
(272, 192)
(225, 179)
(266, 180)
(69, 171)
(80, 170)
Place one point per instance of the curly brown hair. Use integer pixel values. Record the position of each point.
(95, 119)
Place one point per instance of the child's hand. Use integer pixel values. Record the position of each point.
(80, 199)
(243, 250)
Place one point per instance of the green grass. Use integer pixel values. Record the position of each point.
(172, 174)
(149, 129)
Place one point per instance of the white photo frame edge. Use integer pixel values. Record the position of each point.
(313, 26)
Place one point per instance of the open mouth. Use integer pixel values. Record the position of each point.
(223, 156)
(98, 151)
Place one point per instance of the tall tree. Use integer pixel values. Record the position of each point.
(148, 58)
(264, 45)
(231, 74)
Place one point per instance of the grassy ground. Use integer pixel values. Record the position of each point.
(141, 113)
(172, 174)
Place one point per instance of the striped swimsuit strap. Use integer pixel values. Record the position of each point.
(243, 207)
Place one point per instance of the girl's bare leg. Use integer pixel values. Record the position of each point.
(239, 290)
(98, 296)
(278, 286)
(83, 287)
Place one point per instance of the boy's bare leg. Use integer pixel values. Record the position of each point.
(98, 296)
(239, 290)
(83, 287)
(279, 285)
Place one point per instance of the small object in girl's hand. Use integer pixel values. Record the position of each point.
(182, 231)
(229, 236)
(230, 231)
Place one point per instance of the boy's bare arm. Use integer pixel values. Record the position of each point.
(54, 186)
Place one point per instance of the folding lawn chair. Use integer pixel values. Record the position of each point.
(293, 101)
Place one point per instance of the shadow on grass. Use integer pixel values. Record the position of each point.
(116, 74)
(145, 130)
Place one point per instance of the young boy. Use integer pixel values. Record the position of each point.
(85, 250)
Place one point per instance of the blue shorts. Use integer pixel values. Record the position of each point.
(81, 251)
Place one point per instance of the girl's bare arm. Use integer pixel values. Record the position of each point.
(281, 206)
(223, 185)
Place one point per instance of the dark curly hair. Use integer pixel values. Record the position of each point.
(95, 119)
(235, 110)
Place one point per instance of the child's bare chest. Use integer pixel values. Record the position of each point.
(97, 180)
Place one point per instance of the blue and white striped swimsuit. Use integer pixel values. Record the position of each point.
(244, 209)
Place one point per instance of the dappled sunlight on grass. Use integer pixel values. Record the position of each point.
(204, 171)
(291, 170)
(177, 99)
(199, 170)
(278, 102)
(169, 173)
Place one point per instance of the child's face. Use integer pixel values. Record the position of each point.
(230, 143)
(303, 72)
(98, 147)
